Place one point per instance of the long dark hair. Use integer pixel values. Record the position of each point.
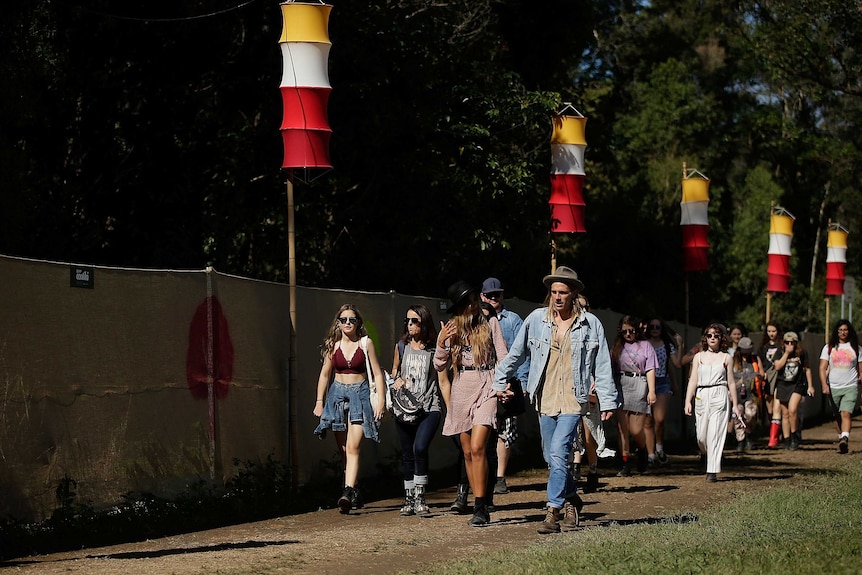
(427, 331)
(852, 338)
(779, 336)
(666, 335)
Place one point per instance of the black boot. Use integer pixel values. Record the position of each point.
(480, 513)
(460, 504)
(344, 502)
(407, 507)
(592, 482)
(355, 499)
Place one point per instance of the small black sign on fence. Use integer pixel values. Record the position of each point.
(82, 277)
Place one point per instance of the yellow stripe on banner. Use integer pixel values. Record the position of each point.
(836, 239)
(569, 130)
(781, 224)
(305, 22)
(695, 190)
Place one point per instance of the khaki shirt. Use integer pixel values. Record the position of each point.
(558, 392)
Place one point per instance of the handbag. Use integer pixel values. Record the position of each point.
(516, 405)
(372, 386)
(406, 408)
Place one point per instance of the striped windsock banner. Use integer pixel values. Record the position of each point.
(694, 220)
(305, 85)
(780, 236)
(568, 145)
(836, 259)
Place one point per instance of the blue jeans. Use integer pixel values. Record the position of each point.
(415, 440)
(558, 433)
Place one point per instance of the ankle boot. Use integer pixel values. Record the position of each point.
(480, 513)
(408, 508)
(794, 440)
(420, 507)
(344, 503)
(460, 504)
(774, 432)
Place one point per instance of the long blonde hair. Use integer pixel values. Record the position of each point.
(473, 330)
(327, 348)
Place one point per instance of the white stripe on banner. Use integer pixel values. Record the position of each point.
(836, 255)
(694, 213)
(568, 159)
(779, 244)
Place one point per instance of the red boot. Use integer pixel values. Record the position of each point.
(774, 432)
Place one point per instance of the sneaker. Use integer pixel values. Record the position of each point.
(661, 456)
(606, 453)
(711, 477)
(625, 471)
(344, 502)
(551, 524)
(592, 482)
(500, 487)
(843, 444)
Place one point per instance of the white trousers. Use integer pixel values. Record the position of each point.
(712, 412)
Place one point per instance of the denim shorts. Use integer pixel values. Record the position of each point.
(346, 404)
(662, 385)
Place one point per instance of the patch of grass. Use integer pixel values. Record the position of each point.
(782, 530)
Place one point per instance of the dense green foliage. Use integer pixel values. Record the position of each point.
(146, 134)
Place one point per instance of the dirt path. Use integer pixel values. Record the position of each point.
(376, 540)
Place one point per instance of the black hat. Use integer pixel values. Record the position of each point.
(458, 292)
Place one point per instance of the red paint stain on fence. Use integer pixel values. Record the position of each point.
(199, 374)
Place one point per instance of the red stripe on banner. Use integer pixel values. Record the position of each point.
(835, 270)
(779, 283)
(205, 339)
(567, 189)
(305, 108)
(694, 236)
(695, 259)
(778, 265)
(306, 149)
(835, 287)
(567, 218)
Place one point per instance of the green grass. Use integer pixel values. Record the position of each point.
(812, 527)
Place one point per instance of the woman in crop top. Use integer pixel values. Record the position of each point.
(711, 385)
(344, 406)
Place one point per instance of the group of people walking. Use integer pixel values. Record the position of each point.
(481, 360)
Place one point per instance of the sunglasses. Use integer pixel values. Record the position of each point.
(628, 331)
(713, 336)
(350, 320)
(409, 320)
(790, 341)
(494, 295)
(655, 326)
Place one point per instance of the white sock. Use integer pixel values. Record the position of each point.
(659, 447)
(844, 434)
(651, 456)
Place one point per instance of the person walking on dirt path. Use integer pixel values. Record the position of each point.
(840, 369)
(710, 385)
(413, 366)
(771, 345)
(344, 404)
(668, 352)
(510, 323)
(793, 381)
(567, 349)
(634, 365)
(474, 345)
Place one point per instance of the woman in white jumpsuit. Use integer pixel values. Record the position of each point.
(712, 387)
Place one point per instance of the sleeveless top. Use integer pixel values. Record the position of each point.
(356, 365)
(711, 375)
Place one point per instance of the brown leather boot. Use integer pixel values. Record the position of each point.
(551, 524)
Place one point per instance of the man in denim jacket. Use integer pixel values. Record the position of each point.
(567, 348)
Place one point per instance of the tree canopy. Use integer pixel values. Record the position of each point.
(146, 134)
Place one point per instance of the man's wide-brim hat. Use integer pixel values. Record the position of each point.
(565, 275)
(458, 294)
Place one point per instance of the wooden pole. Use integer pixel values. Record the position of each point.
(768, 306)
(553, 255)
(826, 327)
(291, 367)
